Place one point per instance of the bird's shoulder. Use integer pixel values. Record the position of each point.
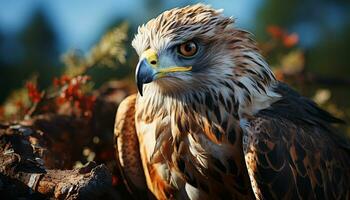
(125, 112)
(292, 151)
(127, 153)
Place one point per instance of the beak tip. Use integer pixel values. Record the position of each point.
(144, 74)
(140, 88)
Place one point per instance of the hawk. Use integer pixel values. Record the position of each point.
(210, 120)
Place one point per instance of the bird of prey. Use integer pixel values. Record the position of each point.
(210, 120)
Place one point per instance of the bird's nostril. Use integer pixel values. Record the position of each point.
(153, 62)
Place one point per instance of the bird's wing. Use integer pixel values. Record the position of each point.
(295, 155)
(127, 147)
(285, 161)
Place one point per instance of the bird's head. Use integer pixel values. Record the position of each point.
(183, 47)
(194, 48)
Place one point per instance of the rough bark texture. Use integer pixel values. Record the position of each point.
(22, 173)
(38, 154)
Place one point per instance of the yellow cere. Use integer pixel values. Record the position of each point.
(150, 55)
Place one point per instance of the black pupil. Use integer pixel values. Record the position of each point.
(189, 47)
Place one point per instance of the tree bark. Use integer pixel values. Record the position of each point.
(24, 175)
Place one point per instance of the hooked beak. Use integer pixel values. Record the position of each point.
(144, 74)
(148, 69)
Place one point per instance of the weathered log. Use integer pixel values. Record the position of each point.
(38, 153)
(23, 174)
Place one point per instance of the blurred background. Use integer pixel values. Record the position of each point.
(307, 43)
(66, 65)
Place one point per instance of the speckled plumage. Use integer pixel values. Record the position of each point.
(212, 133)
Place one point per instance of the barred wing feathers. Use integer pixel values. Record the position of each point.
(291, 152)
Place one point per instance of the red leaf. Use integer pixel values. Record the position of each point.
(64, 79)
(275, 31)
(291, 40)
(33, 92)
(56, 82)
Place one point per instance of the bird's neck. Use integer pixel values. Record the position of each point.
(239, 97)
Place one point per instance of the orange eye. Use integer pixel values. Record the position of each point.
(187, 49)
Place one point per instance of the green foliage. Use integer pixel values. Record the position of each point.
(109, 52)
(34, 50)
(73, 89)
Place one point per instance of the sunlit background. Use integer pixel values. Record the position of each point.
(34, 34)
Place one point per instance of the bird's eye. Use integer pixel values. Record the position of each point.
(187, 49)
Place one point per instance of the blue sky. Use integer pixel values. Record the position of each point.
(79, 22)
